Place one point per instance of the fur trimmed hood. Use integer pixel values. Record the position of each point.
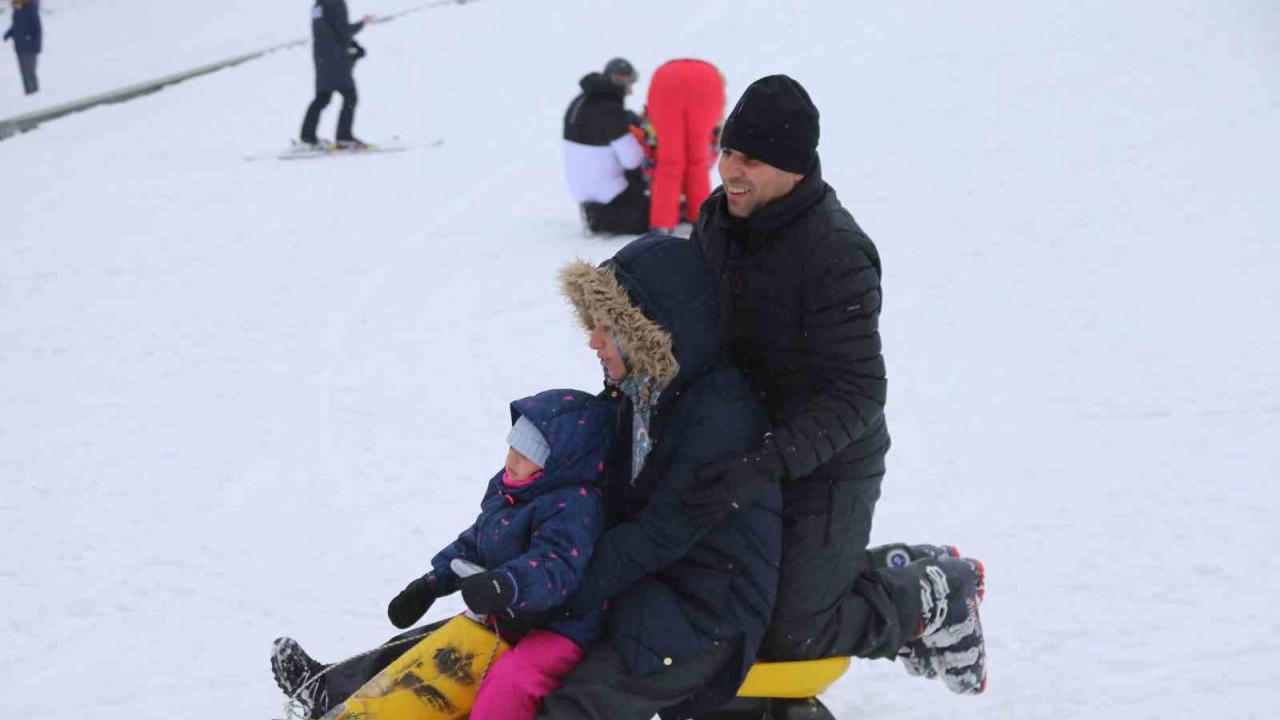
(658, 295)
(598, 298)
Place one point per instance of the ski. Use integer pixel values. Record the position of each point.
(328, 149)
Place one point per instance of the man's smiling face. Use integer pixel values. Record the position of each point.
(750, 184)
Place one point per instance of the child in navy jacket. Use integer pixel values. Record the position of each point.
(539, 522)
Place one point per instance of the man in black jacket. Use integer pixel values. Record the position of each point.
(799, 291)
(332, 44)
(603, 160)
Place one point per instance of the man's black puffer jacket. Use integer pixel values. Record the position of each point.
(799, 290)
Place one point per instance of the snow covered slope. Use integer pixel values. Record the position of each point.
(240, 400)
(94, 46)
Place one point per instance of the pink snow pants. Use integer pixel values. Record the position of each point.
(524, 675)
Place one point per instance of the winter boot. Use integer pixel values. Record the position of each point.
(351, 143)
(900, 555)
(948, 641)
(292, 668)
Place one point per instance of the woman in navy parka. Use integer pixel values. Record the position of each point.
(688, 602)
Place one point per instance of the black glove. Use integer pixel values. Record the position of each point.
(355, 51)
(727, 485)
(488, 593)
(412, 603)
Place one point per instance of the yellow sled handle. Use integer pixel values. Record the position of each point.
(802, 679)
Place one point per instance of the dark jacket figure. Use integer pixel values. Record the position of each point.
(688, 602)
(603, 159)
(28, 41)
(331, 47)
(331, 38)
(799, 285)
(800, 282)
(542, 535)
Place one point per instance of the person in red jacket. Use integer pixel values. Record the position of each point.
(685, 106)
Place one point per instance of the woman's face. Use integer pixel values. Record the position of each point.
(607, 350)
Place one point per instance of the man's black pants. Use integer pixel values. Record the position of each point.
(345, 118)
(626, 214)
(831, 602)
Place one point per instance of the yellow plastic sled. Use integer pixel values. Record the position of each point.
(802, 679)
(437, 678)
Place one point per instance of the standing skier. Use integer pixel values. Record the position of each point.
(331, 34)
(28, 36)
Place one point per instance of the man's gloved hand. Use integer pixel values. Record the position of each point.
(412, 603)
(488, 593)
(727, 485)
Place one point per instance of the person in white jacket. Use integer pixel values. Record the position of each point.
(603, 159)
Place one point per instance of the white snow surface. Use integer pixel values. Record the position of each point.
(241, 399)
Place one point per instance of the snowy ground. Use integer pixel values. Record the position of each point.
(240, 400)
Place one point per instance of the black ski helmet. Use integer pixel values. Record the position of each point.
(620, 66)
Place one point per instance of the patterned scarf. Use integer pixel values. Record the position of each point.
(644, 392)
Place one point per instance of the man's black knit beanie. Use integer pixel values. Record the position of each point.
(775, 121)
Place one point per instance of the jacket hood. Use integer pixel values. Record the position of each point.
(659, 296)
(578, 428)
(597, 85)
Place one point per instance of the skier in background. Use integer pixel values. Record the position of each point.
(603, 159)
(684, 108)
(28, 41)
(332, 46)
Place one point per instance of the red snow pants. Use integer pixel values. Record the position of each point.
(685, 104)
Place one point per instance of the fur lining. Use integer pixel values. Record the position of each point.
(597, 297)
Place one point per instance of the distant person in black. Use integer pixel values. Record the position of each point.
(333, 47)
(28, 39)
(603, 159)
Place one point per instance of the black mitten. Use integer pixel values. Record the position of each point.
(488, 593)
(412, 603)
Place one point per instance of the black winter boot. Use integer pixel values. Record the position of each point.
(900, 555)
(292, 668)
(947, 642)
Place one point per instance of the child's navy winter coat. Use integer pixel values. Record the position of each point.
(542, 535)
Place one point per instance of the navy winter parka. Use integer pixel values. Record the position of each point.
(542, 535)
(676, 588)
(331, 33)
(25, 29)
